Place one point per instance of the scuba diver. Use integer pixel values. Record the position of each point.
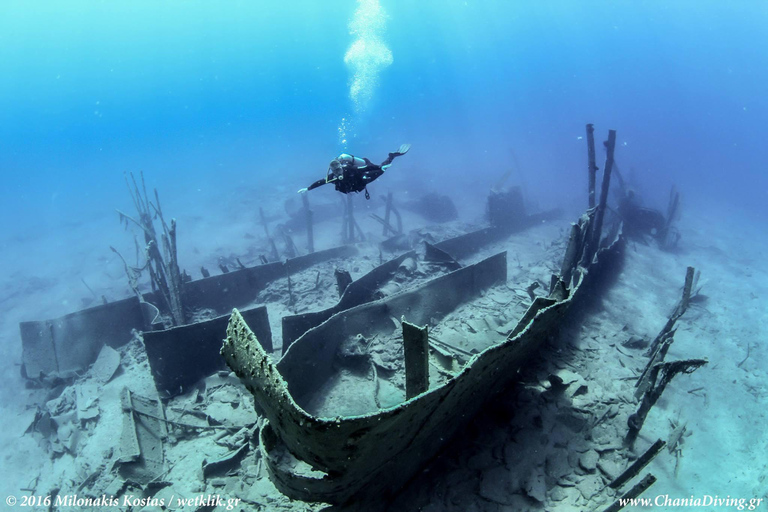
(352, 174)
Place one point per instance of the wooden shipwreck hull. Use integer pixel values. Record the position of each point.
(375, 454)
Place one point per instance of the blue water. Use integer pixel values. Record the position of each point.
(197, 93)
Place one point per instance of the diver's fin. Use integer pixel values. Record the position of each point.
(403, 149)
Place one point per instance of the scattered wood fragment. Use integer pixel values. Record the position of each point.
(226, 463)
(647, 481)
(658, 378)
(187, 425)
(638, 465)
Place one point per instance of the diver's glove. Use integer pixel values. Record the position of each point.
(301, 190)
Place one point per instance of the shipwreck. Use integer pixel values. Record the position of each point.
(367, 390)
(337, 458)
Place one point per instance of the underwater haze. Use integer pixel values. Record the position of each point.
(197, 94)
(229, 108)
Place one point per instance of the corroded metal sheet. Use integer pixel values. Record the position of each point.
(66, 345)
(179, 357)
(70, 343)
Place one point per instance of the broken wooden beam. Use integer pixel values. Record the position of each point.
(638, 489)
(657, 350)
(638, 465)
(660, 375)
(416, 348)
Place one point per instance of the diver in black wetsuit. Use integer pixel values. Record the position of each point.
(352, 174)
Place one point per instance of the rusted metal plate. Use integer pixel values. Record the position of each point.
(181, 356)
(69, 344)
(66, 345)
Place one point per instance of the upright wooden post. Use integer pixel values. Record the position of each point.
(350, 220)
(597, 227)
(386, 214)
(275, 255)
(416, 348)
(591, 163)
(308, 214)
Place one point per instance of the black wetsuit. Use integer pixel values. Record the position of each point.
(353, 178)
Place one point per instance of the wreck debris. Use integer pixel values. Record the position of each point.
(416, 346)
(669, 236)
(660, 345)
(657, 374)
(308, 214)
(350, 231)
(64, 346)
(437, 255)
(274, 255)
(290, 248)
(343, 279)
(141, 442)
(164, 272)
(346, 452)
(531, 288)
(450, 351)
(591, 167)
(69, 344)
(384, 223)
(386, 226)
(181, 356)
(638, 465)
(391, 207)
(387, 212)
(599, 213)
(357, 292)
(324, 443)
(655, 387)
(224, 464)
(575, 248)
(638, 489)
